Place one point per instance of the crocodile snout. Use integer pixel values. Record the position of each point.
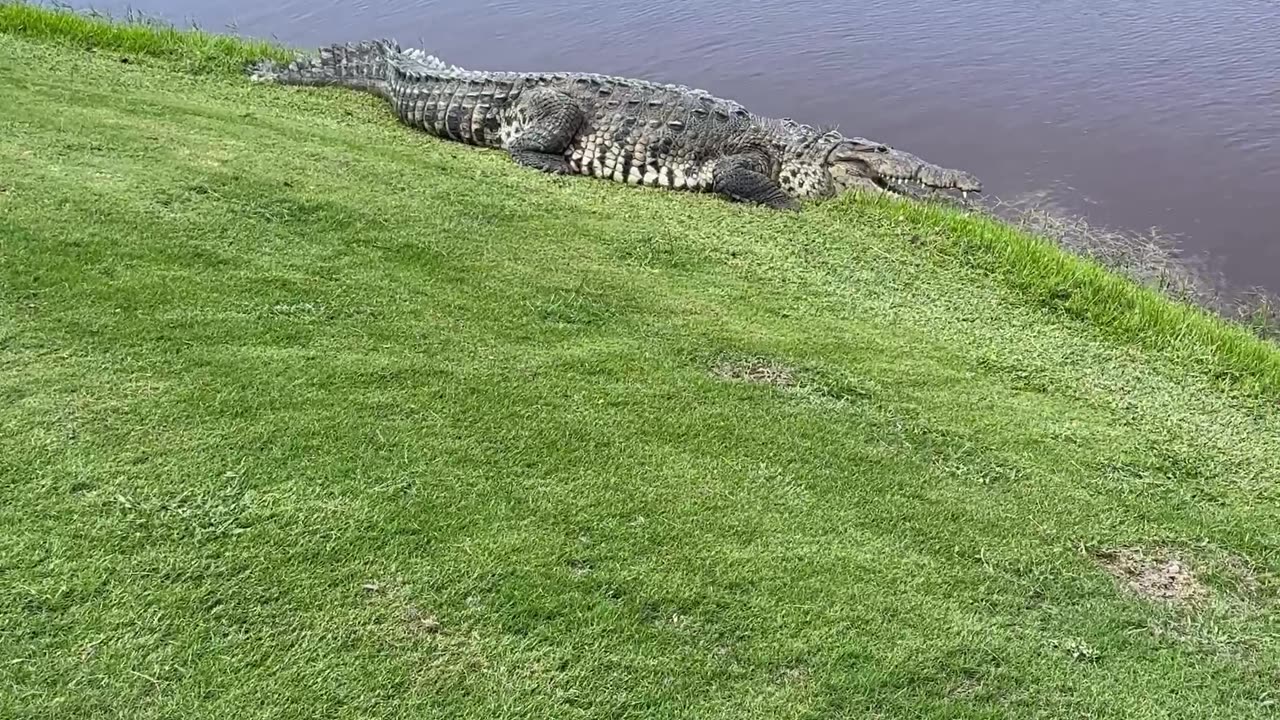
(941, 177)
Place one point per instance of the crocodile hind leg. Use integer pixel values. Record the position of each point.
(738, 177)
(546, 122)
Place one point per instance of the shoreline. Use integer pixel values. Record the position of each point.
(1080, 273)
(1178, 266)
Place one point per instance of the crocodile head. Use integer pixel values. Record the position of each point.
(858, 163)
(817, 164)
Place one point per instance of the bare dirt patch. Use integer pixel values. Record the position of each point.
(421, 623)
(793, 676)
(393, 595)
(1154, 573)
(756, 371)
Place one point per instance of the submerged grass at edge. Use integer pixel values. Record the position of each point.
(308, 415)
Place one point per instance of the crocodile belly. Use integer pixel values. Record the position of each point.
(633, 159)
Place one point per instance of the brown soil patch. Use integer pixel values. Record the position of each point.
(391, 595)
(792, 676)
(421, 623)
(757, 371)
(1155, 574)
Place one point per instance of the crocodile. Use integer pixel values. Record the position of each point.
(629, 130)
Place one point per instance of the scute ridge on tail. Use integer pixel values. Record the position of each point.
(426, 61)
(361, 66)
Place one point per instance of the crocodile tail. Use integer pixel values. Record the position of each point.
(361, 66)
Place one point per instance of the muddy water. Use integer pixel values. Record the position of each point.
(1140, 114)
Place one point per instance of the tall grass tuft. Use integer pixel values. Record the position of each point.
(1047, 271)
(1150, 259)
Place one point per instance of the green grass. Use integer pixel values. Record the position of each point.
(194, 51)
(306, 415)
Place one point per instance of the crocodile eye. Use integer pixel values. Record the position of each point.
(865, 145)
(856, 149)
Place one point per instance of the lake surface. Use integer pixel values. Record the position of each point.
(1139, 114)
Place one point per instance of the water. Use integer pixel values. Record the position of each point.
(1143, 114)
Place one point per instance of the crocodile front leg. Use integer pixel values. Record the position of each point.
(546, 122)
(739, 177)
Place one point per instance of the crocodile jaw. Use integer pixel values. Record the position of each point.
(894, 170)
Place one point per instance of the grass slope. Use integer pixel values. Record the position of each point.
(306, 415)
(194, 51)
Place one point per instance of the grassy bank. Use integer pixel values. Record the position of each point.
(304, 414)
(192, 50)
